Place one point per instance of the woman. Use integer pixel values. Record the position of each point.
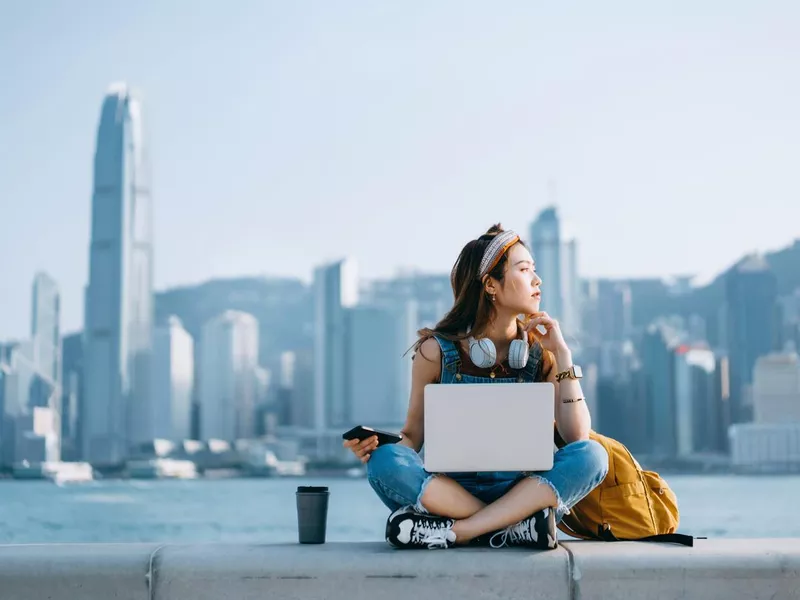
(494, 280)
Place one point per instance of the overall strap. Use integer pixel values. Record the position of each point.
(451, 362)
(533, 369)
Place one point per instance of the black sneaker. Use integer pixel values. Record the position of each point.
(409, 529)
(537, 531)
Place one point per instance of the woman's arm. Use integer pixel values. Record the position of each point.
(572, 415)
(426, 368)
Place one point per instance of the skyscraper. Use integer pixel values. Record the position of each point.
(776, 388)
(173, 381)
(695, 398)
(228, 363)
(71, 394)
(545, 243)
(379, 368)
(556, 257)
(751, 296)
(45, 327)
(335, 290)
(119, 298)
(658, 365)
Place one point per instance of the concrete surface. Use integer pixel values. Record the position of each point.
(355, 571)
(728, 569)
(74, 572)
(713, 569)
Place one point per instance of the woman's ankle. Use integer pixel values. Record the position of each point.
(463, 533)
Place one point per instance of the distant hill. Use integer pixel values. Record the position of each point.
(651, 298)
(283, 307)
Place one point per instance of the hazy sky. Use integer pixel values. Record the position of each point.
(283, 134)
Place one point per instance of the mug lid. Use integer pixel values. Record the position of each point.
(310, 489)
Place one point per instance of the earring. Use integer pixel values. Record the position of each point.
(494, 297)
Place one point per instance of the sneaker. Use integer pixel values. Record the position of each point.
(407, 528)
(537, 531)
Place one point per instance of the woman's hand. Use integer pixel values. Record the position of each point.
(363, 449)
(552, 340)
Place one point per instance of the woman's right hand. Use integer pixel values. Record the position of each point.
(363, 449)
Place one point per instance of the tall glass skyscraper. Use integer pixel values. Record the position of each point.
(335, 291)
(556, 257)
(751, 292)
(119, 297)
(45, 326)
(228, 366)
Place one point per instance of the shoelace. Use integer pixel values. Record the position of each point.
(521, 532)
(431, 533)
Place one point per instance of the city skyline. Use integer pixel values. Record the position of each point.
(656, 125)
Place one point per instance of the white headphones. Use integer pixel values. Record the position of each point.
(483, 354)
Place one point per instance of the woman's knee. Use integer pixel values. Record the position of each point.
(592, 457)
(386, 461)
(397, 475)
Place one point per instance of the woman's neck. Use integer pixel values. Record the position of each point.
(502, 331)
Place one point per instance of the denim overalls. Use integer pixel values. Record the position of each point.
(397, 474)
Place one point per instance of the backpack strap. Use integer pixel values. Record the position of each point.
(604, 533)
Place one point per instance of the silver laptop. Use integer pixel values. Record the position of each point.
(489, 427)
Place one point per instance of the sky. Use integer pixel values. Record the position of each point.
(286, 134)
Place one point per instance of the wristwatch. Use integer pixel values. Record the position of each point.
(574, 372)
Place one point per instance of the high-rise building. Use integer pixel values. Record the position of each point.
(379, 369)
(776, 389)
(30, 431)
(71, 394)
(607, 311)
(570, 287)
(658, 366)
(173, 381)
(556, 257)
(751, 296)
(285, 394)
(335, 290)
(695, 398)
(45, 330)
(229, 361)
(119, 297)
(545, 244)
(44, 395)
(302, 411)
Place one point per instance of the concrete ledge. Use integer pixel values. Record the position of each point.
(713, 569)
(93, 571)
(724, 569)
(355, 571)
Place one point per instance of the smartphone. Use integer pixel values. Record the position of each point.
(361, 432)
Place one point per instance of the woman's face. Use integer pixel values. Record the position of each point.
(519, 292)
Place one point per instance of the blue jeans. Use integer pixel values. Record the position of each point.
(398, 476)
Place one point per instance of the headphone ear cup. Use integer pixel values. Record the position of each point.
(482, 352)
(518, 354)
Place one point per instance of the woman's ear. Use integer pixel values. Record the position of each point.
(490, 286)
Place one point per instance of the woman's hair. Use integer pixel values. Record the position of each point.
(473, 310)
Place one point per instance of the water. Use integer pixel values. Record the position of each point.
(263, 510)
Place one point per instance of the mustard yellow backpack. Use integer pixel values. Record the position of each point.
(630, 503)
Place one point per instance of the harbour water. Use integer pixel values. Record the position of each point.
(263, 510)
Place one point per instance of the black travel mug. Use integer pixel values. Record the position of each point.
(312, 514)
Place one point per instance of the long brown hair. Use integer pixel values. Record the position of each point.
(473, 310)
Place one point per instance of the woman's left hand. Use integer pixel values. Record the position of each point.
(552, 340)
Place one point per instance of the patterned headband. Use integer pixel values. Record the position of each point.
(495, 250)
